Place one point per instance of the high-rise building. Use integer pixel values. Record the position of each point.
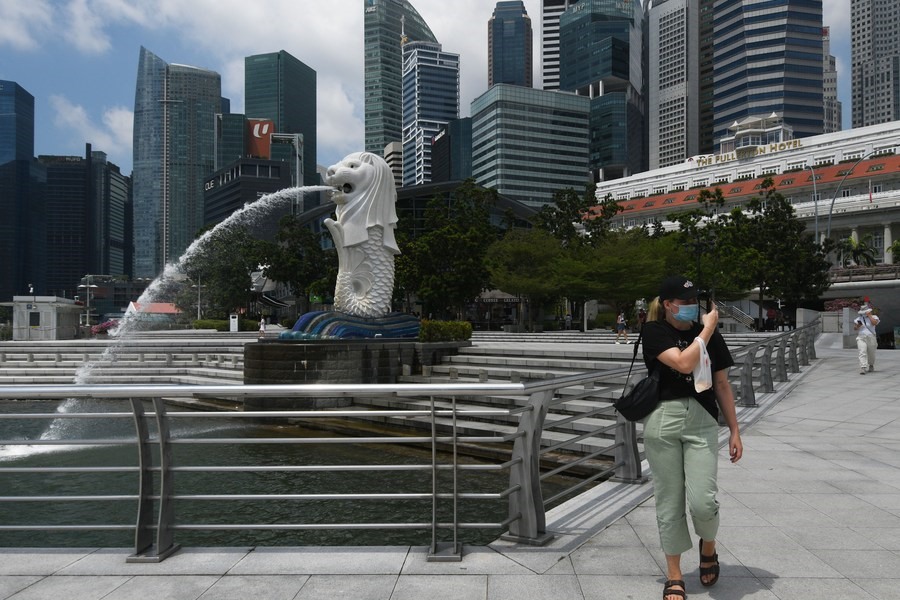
(281, 88)
(451, 152)
(601, 56)
(22, 178)
(768, 59)
(393, 156)
(386, 23)
(174, 151)
(674, 86)
(87, 204)
(529, 143)
(875, 61)
(833, 120)
(430, 100)
(551, 10)
(510, 45)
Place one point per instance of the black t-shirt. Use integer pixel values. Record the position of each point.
(659, 336)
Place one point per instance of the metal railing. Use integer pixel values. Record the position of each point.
(595, 444)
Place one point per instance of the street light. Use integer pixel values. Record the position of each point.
(87, 287)
(833, 198)
(815, 200)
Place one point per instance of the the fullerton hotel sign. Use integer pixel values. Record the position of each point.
(746, 152)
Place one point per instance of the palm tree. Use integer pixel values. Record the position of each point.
(857, 252)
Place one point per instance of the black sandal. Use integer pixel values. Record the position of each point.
(713, 570)
(669, 589)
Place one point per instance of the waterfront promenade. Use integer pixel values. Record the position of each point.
(812, 511)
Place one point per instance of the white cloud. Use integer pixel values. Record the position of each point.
(340, 124)
(112, 137)
(84, 28)
(24, 23)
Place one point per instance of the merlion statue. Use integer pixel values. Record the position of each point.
(363, 234)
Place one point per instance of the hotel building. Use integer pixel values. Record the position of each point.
(842, 184)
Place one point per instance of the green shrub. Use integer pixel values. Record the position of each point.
(217, 324)
(445, 331)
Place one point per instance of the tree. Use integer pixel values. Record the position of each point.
(525, 263)
(765, 246)
(297, 258)
(894, 249)
(445, 264)
(857, 252)
(223, 262)
(571, 213)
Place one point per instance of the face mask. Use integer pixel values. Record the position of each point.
(687, 312)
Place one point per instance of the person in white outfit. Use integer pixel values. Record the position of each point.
(866, 340)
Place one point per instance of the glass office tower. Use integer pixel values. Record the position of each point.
(386, 21)
(87, 202)
(174, 151)
(601, 54)
(529, 143)
(279, 87)
(22, 178)
(768, 59)
(510, 45)
(430, 101)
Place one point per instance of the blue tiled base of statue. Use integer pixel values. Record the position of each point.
(333, 325)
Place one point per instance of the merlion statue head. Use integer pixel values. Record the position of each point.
(365, 196)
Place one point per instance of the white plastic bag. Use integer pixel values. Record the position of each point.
(703, 370)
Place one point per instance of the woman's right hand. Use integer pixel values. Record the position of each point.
(711, 318)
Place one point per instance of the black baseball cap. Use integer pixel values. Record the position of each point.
(677, 287)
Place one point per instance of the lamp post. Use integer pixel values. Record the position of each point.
(815, 200)
(840, 185)
(87, 287)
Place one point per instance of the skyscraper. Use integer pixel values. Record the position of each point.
(833, 109)
(510, 45)
(674, 85)
(601, 56)
(430, 100)
(174, 151)
(768, 59)
(21, 196)
(550, 13)
(386, 21)
(279, 87)
(529, 143)
(875, 60)
(87, 203)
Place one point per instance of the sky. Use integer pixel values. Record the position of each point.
(78, 58)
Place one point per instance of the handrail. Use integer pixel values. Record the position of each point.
(592, 439)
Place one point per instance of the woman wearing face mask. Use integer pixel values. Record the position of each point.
(681, 434)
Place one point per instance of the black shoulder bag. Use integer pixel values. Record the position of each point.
(644, 396)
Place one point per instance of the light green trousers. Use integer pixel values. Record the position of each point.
(681, 443)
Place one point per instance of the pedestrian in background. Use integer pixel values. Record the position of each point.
(866, 338)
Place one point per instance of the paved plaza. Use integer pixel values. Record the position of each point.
(812, 511)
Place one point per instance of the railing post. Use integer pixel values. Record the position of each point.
(627, 457)
(443, 552)
(793, 362)
(802, 348)
(781, 360)
(811, 339)
(165, 543)
(748, 395)
(526, 503)
(143, 535)
(765, 370)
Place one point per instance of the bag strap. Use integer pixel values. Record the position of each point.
(633, 357)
